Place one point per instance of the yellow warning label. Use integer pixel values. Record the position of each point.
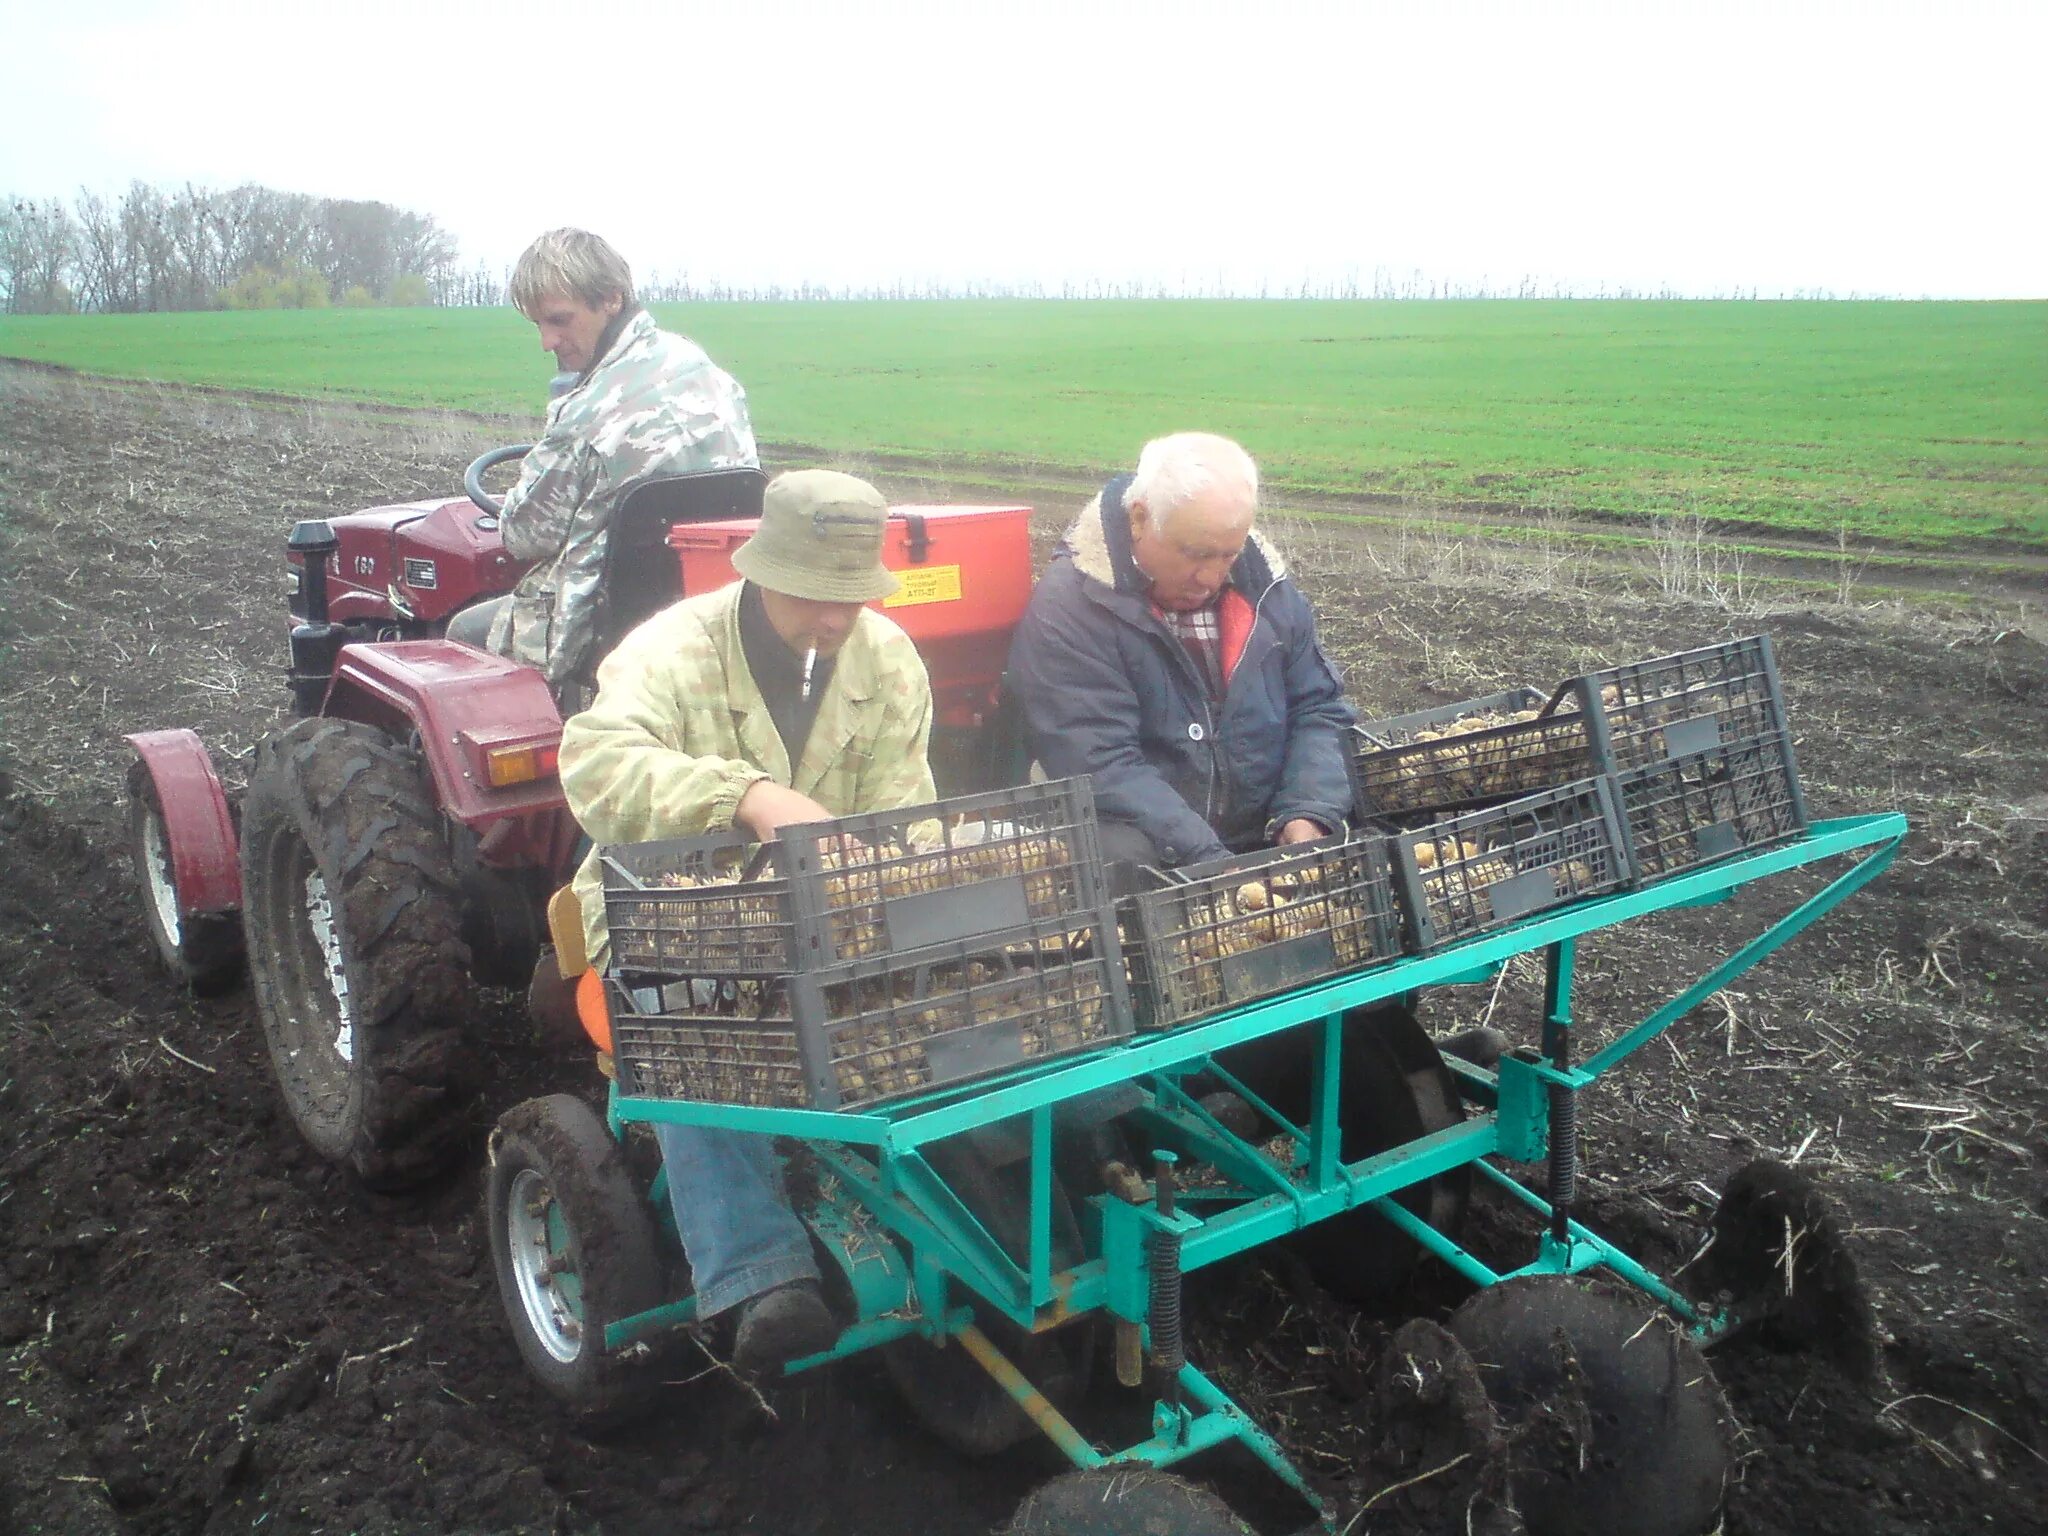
(925, 584)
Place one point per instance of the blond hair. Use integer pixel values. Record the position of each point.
(569, 263)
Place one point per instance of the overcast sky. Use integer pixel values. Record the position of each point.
(1874, 148)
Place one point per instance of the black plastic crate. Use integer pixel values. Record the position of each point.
(1484, 869)
(881, 883)
(1227, 931)
(1679, 705)
(890, 881)
(1706, 805)
(874, 1029)
(685, 906)
(1469, 753)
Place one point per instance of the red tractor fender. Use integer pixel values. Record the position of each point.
(464, 704)
(205, 856)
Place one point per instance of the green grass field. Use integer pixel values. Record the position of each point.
(1925, 424)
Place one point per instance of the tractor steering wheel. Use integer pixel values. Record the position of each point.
(473, 477)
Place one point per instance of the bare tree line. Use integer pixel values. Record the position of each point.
(256, 247)
(196, 248)
(1352, 284)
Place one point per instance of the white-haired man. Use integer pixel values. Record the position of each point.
(1166, 653)
(645, 403)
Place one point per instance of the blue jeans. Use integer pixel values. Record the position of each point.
(738, 1231)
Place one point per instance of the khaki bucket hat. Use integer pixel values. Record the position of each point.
(820, 537)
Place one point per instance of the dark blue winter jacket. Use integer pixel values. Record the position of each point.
(1108, 690)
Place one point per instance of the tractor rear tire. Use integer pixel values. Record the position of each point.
(946, 1389)
(353, 926)
(202, 951)
(575, 1251)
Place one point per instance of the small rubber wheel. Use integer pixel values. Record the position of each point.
(945, 1388)
(1778, 1263)
(1394, 1088)
(1123, 1501)
(574, 1245)
(202, 951)
(1615, 1424)
(353, 925)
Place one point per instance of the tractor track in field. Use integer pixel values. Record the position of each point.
(1764, 553)
(204, 1328)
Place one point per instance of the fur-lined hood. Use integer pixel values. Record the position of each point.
(1100, 548)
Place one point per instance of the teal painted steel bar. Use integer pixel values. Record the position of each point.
(926, 1214)
(857, 1337)
(1435, 1242)
(1229, 1154)
(1040, 1276)
(1607, 1254)
(1228, 1233)
(645, 1325)
(1218, 1403)
(1324, 1085)
(1787, 927)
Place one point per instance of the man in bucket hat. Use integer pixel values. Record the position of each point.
(779, 699)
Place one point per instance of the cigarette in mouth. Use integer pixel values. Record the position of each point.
(810, 661)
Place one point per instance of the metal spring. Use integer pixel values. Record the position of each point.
(1168, 1351)
(1564, 1146)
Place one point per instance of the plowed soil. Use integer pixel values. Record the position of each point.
(205, 1328)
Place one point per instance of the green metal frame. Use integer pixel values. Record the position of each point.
(918, 1261)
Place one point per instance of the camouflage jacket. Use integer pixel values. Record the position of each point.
(653, 405)
(679, 732)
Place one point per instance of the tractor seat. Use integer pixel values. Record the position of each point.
(642, 575)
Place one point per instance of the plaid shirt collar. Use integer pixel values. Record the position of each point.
(1195, 625)
(1201, 635)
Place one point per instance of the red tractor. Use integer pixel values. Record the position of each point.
(399, 843)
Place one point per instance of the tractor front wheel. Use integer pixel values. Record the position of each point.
(353, 926)
(574, 1245)
(203, 950)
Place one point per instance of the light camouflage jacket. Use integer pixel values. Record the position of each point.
(653, 405)
(679, 732)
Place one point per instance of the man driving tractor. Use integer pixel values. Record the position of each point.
(645, 402)
(776, 700)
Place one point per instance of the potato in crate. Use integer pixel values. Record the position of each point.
(698, 906)
(1484, 869)
(1674, 706)
(1227, 931)
(1706, 805)
(873, 1029)
(882, 882)
(1494, 748)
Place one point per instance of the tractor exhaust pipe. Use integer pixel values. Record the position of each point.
(315, 641)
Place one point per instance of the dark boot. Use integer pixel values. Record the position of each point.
(782, 1325)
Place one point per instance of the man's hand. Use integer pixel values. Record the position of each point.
(767, 807)
(1299, 830)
